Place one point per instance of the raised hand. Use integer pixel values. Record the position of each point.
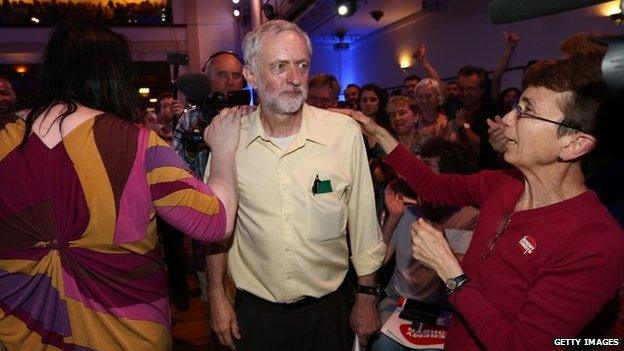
(511, 38)
(394, 201)
(176, 109)
(495, 131)
(420, 53)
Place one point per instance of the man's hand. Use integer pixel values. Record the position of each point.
(511, 39)
(176, 109)
(495, 131)
(420, 53)
(394, 201)
(462, 116)
(365, 318)
(223, 320)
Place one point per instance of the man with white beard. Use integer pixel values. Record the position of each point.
(304, 183)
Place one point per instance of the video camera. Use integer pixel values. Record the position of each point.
(199, 114)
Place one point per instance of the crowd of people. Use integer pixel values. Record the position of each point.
(449, 215)
(49, 12)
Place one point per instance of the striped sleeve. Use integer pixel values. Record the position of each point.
(179, 198)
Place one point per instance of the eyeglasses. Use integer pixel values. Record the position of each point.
(500, 229)
(522, 114)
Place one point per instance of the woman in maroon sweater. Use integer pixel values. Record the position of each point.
(546, 255)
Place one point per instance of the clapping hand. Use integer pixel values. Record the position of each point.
(429, 246)
(394, 201)
(495, 131)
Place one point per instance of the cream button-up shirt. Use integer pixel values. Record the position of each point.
(290, 242)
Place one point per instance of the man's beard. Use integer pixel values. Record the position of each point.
(287, 101)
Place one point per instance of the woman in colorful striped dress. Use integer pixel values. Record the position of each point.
(80, 266)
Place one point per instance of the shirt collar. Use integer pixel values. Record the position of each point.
(311, 128)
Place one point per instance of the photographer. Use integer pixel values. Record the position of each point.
(222, 74)
(219, 86)
(225, 71)
(168, 110)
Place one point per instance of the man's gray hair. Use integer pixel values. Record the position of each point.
(253, 40)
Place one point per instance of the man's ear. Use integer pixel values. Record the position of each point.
(249, 76)
(576, 146)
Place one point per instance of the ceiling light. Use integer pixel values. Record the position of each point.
(617, 16)
(21, 69)
(346, 8)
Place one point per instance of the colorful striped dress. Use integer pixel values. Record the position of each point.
(80, 266)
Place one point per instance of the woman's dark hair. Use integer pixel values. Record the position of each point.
(85, 63)
(381, 118)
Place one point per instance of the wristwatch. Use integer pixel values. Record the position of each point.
(454, 284)
(368, 290)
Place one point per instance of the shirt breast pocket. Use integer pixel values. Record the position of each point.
(326, 216)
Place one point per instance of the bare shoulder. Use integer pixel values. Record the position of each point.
(46, 124)
(84, 113)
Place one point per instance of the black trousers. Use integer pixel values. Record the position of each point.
(311, 324)
(172, 242)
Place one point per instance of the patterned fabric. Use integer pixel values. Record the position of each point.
(197, 160)
(80, 267)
